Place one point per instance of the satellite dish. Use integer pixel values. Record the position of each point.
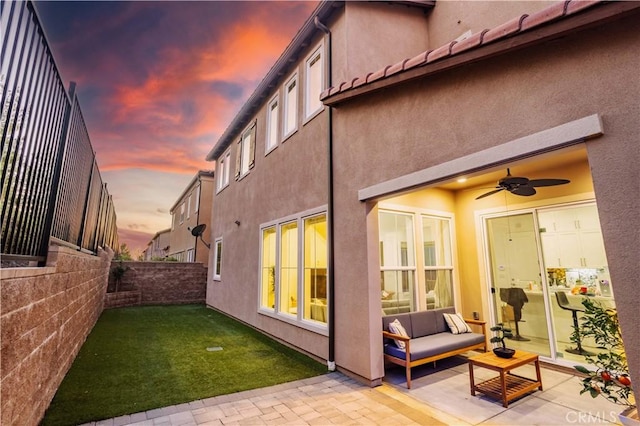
(197, 231)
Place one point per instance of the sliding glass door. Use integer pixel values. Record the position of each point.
(518, 295)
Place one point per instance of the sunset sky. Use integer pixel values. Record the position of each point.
(158, 83)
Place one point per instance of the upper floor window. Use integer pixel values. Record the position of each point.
(273, 118)
(197, 201)
(290, 123)
(189, 207)
(314, 81)
(223, 170)
(245, 157)
(182, 213)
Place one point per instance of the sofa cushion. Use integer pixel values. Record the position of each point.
(423, 323)
(435, 344)
(441, 325)
(405, 320)
(456, 323)
(396, 327)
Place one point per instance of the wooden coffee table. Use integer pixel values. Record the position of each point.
(506, 386)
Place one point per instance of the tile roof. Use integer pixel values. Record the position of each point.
(515, 26)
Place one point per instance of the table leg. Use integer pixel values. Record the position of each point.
(538, 377)
(471, 380)
(503, 383)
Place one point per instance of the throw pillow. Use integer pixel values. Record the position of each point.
(396, 327)
(456, 324)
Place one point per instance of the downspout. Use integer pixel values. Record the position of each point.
(331, 363)
(195, 247)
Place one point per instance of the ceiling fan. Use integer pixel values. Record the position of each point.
(522, 185)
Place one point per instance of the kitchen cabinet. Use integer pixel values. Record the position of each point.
(571, 238)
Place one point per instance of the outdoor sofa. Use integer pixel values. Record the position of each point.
(429, 338)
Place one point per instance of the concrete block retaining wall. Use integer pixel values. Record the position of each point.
(159, 283)
(46, 315)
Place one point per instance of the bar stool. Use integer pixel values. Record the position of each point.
(563, 302)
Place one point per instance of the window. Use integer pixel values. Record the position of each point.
(273, 118)
(290, 124)
(217, 262)
(268, 262)
(314, 82)
(289, 268)
(245, 157)
(189, 207)
(197, 202)
(190, 255)
(182, 213)
(315, 268)
(174, 218)
(397, 262)
(438, 262)
(224, 165)
(293, 265)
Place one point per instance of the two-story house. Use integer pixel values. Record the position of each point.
(465, 152)
(159, 246)
(192, 208)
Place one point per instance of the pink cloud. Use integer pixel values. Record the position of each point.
(135, 240)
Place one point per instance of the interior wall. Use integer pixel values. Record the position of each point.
(472, 272)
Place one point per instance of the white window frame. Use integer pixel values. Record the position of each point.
(420, 267)
(287, 130)
(189, 207)
(245, 153)
(217, 248)
(181, 213)
(298, 319)
(223, 170)
(272, 133)
(312, 104)
(197, 201)
(190, 253)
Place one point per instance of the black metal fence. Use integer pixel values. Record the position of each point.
(50, 182)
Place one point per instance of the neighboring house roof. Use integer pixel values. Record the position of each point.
(200, 174)
(155, 237)
(450, 55)
(281, 68)
(164, 231)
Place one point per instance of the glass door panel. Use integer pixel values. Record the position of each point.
(576, 268)
(518, 297)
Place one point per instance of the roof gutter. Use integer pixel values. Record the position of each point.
(331, 363)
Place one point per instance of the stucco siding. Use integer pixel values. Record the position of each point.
(430, 121)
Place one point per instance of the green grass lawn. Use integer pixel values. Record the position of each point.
(140, 358)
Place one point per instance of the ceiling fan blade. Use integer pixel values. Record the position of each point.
(486, 194)
(548, 182)
(524, 190)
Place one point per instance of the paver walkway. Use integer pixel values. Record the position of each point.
(438, 396)
(324, 400)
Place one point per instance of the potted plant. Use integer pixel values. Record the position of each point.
(501, 332)
(610, 378)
